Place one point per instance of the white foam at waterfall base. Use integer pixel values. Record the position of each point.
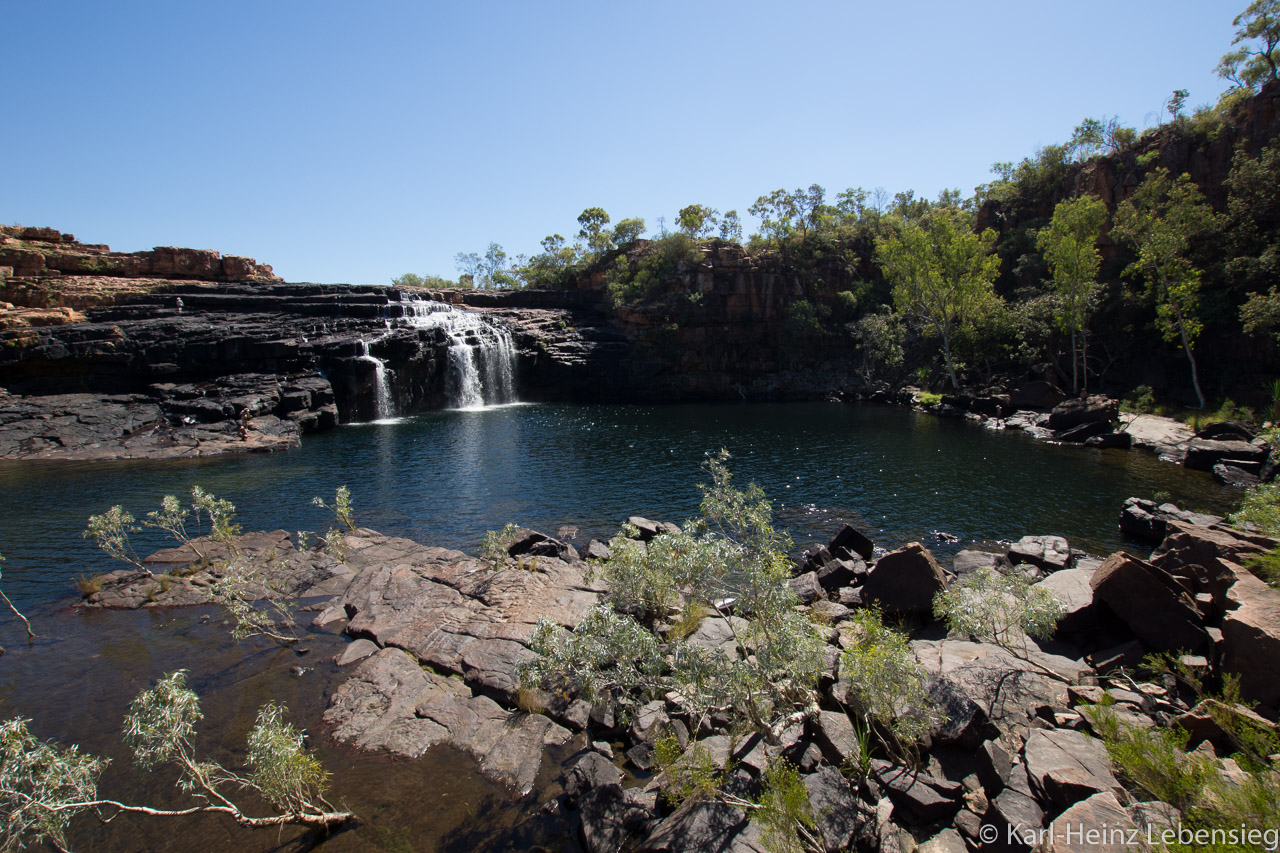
(482, 356)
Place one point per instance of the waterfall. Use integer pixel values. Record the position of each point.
(482, 356)
(382, 385)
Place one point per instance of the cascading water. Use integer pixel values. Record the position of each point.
(382, 384)
(482, 356)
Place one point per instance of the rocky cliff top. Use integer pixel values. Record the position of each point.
(43, 271)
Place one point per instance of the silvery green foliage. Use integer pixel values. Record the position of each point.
(111, 531)
(43, 786)
(161, 721)
(731, 557)
(1003, 609)
(40, 783)
(608, 651)
(291, 778)
(886, 684)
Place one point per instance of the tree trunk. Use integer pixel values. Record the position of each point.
(1084, 358)
(1186, 346)
(1075, 381)
(951, 370)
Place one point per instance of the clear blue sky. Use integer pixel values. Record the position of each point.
(352, 142)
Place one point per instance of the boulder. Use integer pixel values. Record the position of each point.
(994, 763)
(1203, 454)
(917, 796)
(1072, 587)
(1227, 431)
(905, 581)
(650, 529)
(355, 652)
(595, 550)
(1236, 477)
(1098, 824)
(1108, 440)
(968, 560)
(1081, 433)
(841, 573)
(836, 737)
(851, 543)
(1163, 436)
(1251, 639)
(839, 811)
(1036, 394)
(807, 588)
(531, 543)
(1146, 522)
(590, 770)
(964, 722)
(610, 818)
(1095, 409)
(1067, 766)
(1049, 553)
(697, 825)
(1158, 611)
(996, 680)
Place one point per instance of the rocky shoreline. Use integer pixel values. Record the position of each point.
(436, 636)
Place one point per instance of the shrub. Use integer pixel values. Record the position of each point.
(731, 557)
(1004, 609)
(886, 683)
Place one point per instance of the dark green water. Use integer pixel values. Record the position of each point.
(445, 479)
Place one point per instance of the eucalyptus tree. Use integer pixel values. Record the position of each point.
(731, 227)
(942, 272)
(1161, 221)
(1258, 58)
(697, 220)
(1069, 244)
(593, 232)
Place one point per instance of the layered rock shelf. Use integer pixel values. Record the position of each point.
(436, 636)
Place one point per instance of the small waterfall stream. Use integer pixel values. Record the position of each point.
(482, 356)
(382, 383)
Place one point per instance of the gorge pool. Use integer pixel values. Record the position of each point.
(445, 478)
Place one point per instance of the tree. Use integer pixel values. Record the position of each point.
(1160, 222)
(730, 562)
(44, 786)
(777, 214)
(1070, 249)
(1258, 59)
(628, 231)
(697, 221)
(941, 271)
(592, 222)
(731, 227)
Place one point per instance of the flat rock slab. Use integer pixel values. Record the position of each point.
(392, 704)
(1165, 436)
(457, 613)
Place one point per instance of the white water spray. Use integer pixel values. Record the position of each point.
(482, 356)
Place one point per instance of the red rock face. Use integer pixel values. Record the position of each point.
(48, 253)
